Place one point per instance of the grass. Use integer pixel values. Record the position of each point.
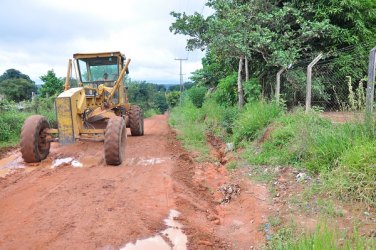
(10, 127)
(193, 124)
(12, 119)
(188, 120)
(150, 112)
(355, 177)
(342, 155)
(232, 165)
(322, 238)
(253, 119)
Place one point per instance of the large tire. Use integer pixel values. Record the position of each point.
(34, 144)
(114, 141)
(136, 120)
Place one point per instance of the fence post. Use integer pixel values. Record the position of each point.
(278, 85)
(309, 81)
(370, 83)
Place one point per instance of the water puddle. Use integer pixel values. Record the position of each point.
(68, 160)
(146, 161)
(10, 164)
(174, 238)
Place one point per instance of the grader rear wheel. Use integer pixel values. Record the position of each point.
(114, 141)
(34, 143)
(136, 120)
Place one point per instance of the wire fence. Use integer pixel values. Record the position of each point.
(338, 82)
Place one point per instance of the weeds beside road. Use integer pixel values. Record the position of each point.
(13, 115)
(341, 157)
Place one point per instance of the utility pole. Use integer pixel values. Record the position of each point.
(181, 76)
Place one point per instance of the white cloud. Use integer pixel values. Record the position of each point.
(44, 34)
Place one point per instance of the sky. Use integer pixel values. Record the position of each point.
(40, 35)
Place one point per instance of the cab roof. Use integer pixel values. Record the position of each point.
(96, 55)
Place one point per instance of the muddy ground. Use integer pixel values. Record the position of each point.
(94, 206)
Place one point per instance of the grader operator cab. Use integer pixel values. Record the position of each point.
(96, 109)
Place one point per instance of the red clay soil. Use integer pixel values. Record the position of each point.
(104, 207)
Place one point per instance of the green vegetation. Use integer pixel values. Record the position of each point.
(15, 86)
(173, 98)
(253, 119)
(247, 43)
(355, 177)
(196, 95)
(269, 35)
(343, 155)
(321, 238)
(13, 115)
(150, 97)
(191, 127)
(53, 85)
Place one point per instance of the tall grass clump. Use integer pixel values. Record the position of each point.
(355, 177)
(321, 238)
(289, 138)
(219, 119)
(10, 127)
(13, 115)
(187, 119)
(253, 119)
(309, 141)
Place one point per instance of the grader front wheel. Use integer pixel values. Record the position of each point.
(34, 142)
(136, 120)
(114, 141)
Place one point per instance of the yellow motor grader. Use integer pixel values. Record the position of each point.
(93, 108)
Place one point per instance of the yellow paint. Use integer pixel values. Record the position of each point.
(67, 79)
(72, 104)
(69, 105)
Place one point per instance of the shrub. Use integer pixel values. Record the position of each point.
(253, 119)
(197, 95)
(5, 130)
(226, 92)
(252, 90)
(173, 98)
(10, 126)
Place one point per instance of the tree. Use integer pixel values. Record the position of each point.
(16, 86)
(214, 68)
(274, 34)
(223, 32)
(14, 74)
(17, 89)
(148, 96)
(52, 84)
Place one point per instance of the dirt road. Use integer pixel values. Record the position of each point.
(94, 206)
